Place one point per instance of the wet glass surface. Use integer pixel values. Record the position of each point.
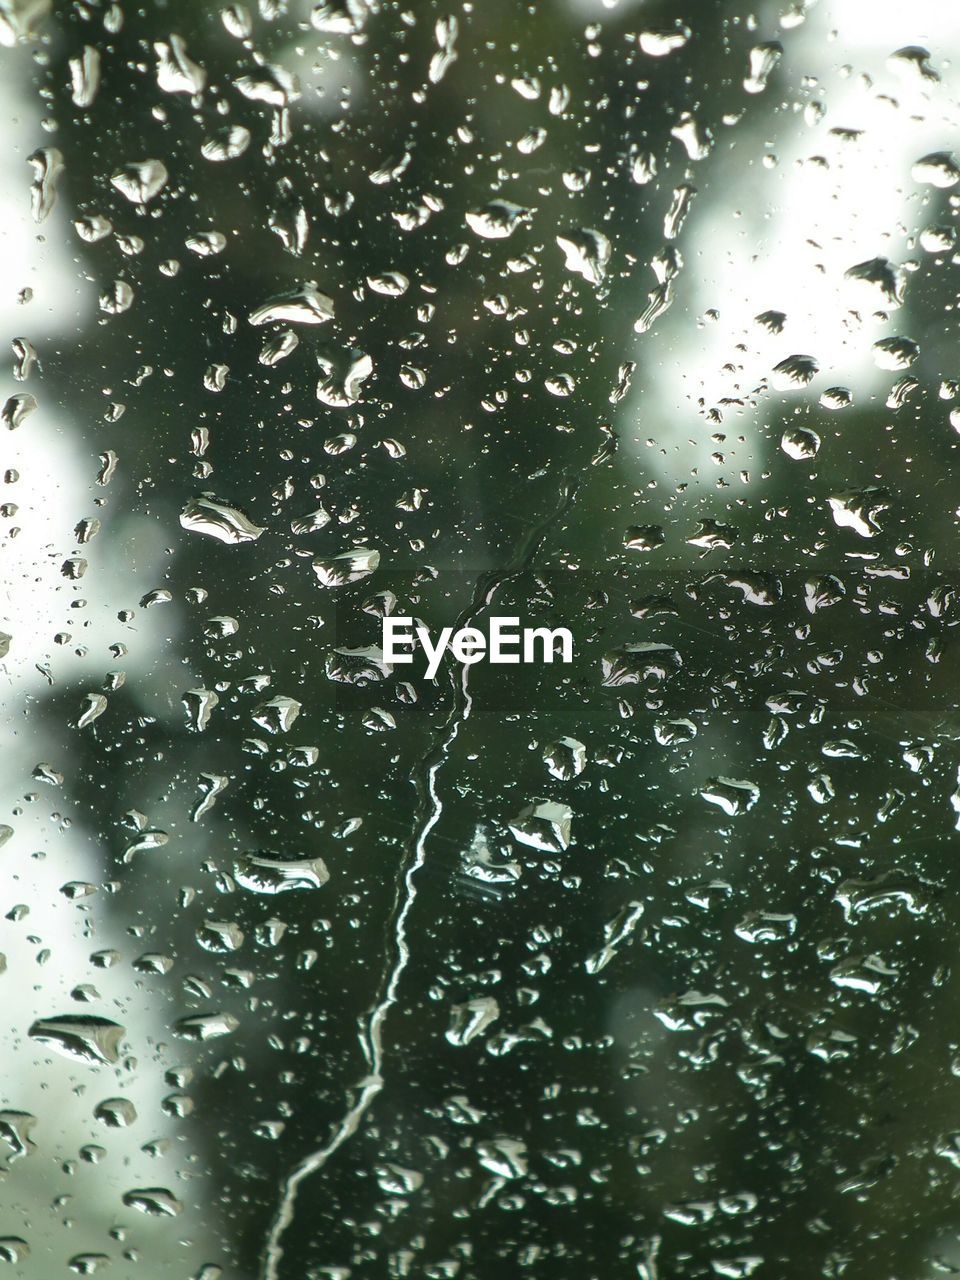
(616, 316)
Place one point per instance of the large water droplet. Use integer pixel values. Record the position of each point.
(87, 1039)
(259, 874)
(217, 519)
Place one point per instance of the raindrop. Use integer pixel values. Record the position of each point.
(735, 796)
(205, 1026)
(141, 180)
(939, 169)
(659, 43)
(277, 715)
(115, 1113)
(858, 509)
(835, 398)
(17, 409)
(497, 220)
(639, 663)
(763, 59)
(302, 306)
(158, 1202)
(85, 77)
(794, 372)
(587, 253)
(877, 282)
(88, 1040)
(644, 537)
(226, 143)
(47, 165)
(543, 825)
(217, 519)
(800, 443)
(470, 1020)
(895, 353)
(260, 874)
(565, 759)
(348, 566)
(176, 71)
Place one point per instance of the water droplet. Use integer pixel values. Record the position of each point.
(348, 566)
(543, 825)
(115, 1113)
(217, 519)
(271, 84)
(658, 43)
(560, 385)
(88, 1264)
(886, 891)
(260, 874)
(94, 705)
(277, 715)
(361, 666)
(394, 1180)
(676, 215)
(763, 59)
(673, 733)
(895, 353)
(565, 759)
(93, 227)
(691, 1213)
(734, 796)
(176, 71)
(503, 1157)
(877, 283)
(643, 166)
(13, 1249)
(712, 535)
(644, 537)
(85, 1039)
(303, 306)
(766, 926)
(341, 386)
(198, 704)
(226, 143)
(15, 1130)
(858, 509)
(445, 33)
(211, 786)
(205, 1026)
(587, 253)
(392, 284)
(793, 372)
(155, 1201)
(220, 936)
(47, 165)
(141, 180)
(496, 220)
(615, 933)
(861, 973)
(85, 77)
(206, 244)
(912, 63)
(822, 592)
(939, 169)
(836, 398)
(772, 321)
(800, 443)
(639, 663)
(17, 409)
(696, 140)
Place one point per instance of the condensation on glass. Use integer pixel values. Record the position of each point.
(609, 314)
